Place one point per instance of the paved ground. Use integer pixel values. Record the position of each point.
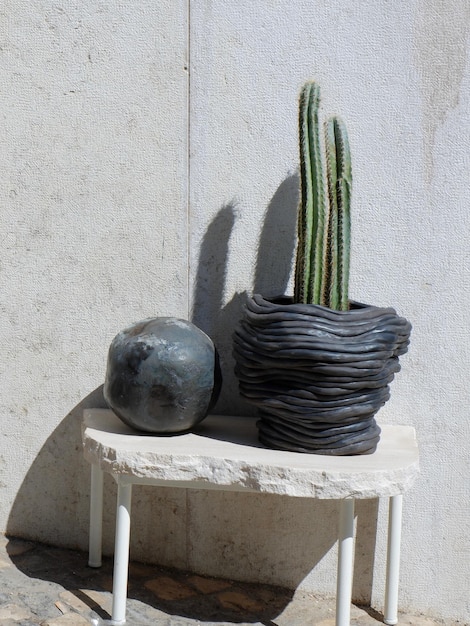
(40, 585)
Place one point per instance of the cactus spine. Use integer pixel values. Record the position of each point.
(324, 225)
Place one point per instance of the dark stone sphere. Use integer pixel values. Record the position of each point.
(163, 375)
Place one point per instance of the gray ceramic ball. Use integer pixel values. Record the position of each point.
(162, 375)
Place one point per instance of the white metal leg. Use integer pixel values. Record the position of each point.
(96, 517)
(393, 560)
(345, 562)
(121, 552)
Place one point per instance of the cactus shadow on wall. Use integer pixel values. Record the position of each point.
(278, 240)
(272, 272)
(208, 310)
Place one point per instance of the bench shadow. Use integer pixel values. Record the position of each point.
(59, 507)
(61, 510)
(169, 591)
(43, 509)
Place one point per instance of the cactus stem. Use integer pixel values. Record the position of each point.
(324, 224)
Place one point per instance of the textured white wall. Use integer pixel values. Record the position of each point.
(93, 227)
(99, 203)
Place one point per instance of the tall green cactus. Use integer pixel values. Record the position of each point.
(324, 225)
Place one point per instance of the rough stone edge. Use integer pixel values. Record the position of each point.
(201, 472)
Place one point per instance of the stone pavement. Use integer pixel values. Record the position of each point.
(46, 586)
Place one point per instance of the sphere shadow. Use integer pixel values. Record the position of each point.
(51, 499)
(41, 511)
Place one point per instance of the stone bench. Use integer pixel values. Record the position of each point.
(224, 453)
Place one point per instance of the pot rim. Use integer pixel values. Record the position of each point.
(286, 304)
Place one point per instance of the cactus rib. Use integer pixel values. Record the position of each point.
(339, 190)
(324, 224)
(311, 251)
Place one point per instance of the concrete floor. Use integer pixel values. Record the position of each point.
(46, 586)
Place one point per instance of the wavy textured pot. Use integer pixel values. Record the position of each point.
(318, 376)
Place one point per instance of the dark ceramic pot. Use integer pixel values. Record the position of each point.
(318, 376)
(162, 376)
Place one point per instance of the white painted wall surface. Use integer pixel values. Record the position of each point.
(95, 191)
(94, 232)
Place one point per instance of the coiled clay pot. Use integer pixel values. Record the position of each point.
(318, 376)
(162, 375)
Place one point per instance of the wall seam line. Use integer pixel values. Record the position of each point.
(188, 239)
(188, 160)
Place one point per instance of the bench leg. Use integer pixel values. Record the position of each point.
(345, 562)
(393, 560)
(121, 552)
(96, 517)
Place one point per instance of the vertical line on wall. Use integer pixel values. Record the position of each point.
(188, 159)
(188, 236)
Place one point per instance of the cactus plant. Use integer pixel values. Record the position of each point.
(324, 225)
(317, 368)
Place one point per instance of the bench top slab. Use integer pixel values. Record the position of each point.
(223, 452)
